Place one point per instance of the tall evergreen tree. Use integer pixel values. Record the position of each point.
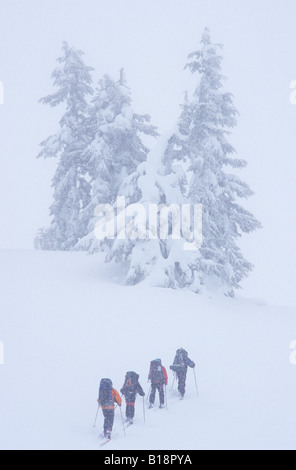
(200, 141)
(211, 184)
(116, 148)
(70, 183)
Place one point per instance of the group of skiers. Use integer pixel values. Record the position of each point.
(109, 397)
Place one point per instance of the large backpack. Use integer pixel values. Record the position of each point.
(131, 380)
(105, 393)
(181, 357)
(156, 372)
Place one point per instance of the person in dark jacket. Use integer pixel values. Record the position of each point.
(130, 390)
(107, 399)
(180, 366)
(159, 378)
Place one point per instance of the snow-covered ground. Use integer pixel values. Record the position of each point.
(65, 323)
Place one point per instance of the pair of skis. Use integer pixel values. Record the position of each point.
(108, 439)
(105, 442)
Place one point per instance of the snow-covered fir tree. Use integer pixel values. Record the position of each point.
(200, 141)
(116, 148)
(149, 250)
(211, 184)
(70, 183)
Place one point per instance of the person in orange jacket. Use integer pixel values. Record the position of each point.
(158, 377)
(108, 396)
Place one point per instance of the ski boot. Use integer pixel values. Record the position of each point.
(107, 434)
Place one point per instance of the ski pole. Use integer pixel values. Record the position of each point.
(149, 393)
(144, 414)
(195, 381)
(173, 381)
(122, 421)
(166, 398)
(95, 423)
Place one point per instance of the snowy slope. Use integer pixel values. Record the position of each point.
(65, 323)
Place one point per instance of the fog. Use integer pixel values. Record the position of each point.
(151, 40)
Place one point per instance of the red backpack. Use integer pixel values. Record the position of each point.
(131, 380)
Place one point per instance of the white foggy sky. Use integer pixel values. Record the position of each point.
(151, 39)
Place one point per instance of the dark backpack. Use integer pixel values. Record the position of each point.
(105, 393)
(181, 357)
(131, 381)
(156, 372)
